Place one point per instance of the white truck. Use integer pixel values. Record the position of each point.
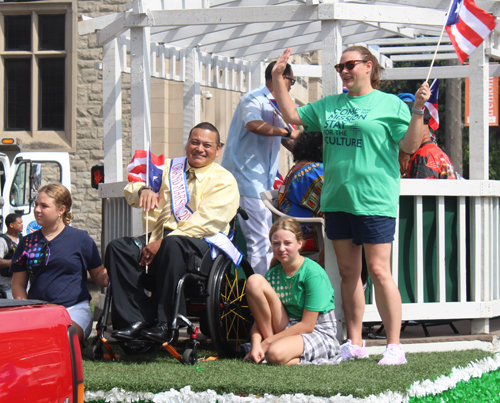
(22, 174)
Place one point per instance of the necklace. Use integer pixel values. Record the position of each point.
(288, 282)
(52, 235)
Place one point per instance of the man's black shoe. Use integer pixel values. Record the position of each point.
(131, 332)
(160, 333)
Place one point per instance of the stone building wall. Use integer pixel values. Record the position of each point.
(89, 143)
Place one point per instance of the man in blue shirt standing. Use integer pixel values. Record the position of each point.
(251, 154)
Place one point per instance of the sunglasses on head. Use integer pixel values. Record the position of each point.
(349, 65)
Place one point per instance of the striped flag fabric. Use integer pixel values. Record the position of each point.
(278, 181)
(137, 169)
(467, 26)
(432, 105)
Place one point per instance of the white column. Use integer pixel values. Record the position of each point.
(192, 103)
(112, 112)
(479, 169)
(140, 94)
(140, 87)
(479, 128)
(331, 52)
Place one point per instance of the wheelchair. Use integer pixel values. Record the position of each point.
(214, 291)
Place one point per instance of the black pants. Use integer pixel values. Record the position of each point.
(168, 266)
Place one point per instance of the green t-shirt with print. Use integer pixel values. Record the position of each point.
(309, 288)
(360, 157)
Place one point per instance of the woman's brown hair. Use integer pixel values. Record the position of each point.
(61, 197)
(367, 56)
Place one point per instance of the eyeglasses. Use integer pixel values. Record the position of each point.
(349, 65)
(292, 80)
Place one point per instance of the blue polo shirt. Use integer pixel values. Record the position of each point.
(253, 159)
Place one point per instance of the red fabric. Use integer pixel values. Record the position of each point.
(430, 162)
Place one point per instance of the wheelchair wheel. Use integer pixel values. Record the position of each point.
(229, 316)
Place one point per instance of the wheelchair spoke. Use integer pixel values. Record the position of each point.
(235, 314)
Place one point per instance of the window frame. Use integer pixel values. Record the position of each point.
(56, 140)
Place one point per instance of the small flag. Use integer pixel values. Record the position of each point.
(137, 169)
(432, 105)
(278, 181)
(467, 26)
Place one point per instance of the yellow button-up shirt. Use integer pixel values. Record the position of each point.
(213, 198)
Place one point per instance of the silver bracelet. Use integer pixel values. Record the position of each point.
(417, 111)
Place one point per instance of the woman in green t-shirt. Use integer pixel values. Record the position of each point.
(292, 305)
(362, 131)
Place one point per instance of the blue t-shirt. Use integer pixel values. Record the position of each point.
(253, 159)
(57, 269)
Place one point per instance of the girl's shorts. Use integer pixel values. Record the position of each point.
(81, 314)
(321, 346)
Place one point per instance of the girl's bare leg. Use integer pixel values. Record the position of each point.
(267, 309)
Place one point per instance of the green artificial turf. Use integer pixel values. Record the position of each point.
(485, 389)
(158, 371)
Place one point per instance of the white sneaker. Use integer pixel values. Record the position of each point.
(349, 351)
(393, 355)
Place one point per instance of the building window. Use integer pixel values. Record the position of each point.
(38, 60)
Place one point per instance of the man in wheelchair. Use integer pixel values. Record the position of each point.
(197, 199)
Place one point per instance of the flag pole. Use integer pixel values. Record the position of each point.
(435, 53)
(147, 184)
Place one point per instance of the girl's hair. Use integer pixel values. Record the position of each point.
(288, 224)
(368, 57)
(61, 197)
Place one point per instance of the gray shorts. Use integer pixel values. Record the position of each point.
(321, 346)
(81, 314)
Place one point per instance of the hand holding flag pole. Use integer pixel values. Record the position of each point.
(146, 168)
(467, 26)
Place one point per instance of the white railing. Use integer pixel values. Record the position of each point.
(170, 63)
(455, 250)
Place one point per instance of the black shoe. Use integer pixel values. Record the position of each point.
(160, 333)
(131, 332)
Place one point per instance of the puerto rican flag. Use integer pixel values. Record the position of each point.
(432, 105)
(278, 181)
(138, 167)
(467, 26)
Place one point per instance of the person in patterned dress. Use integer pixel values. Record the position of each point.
(300, 192)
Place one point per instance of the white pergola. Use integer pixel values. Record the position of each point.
(225, 44)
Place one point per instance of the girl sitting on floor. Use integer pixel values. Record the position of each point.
(292, 305)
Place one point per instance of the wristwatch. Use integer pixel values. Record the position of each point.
(144, 188)
(288, 132)
(417, 111)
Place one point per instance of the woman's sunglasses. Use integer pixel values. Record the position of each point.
(349, 65)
